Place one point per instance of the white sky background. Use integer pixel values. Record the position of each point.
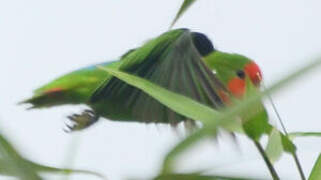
(40, 40)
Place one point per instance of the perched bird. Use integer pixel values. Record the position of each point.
(181, 61)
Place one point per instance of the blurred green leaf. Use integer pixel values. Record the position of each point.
(179, 103)
(13, 164)
(274, 148)
(277, 144)
(186, 4)
(67, 171)
(287, 144)
(316, 171)
(197, 177)
(304, 134)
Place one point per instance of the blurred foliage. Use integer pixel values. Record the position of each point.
(13, 164)
(196, 176)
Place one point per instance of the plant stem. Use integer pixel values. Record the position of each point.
(296, 159)
(267, 161)
(298, 165)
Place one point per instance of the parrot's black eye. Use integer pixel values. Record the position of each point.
(240, 74)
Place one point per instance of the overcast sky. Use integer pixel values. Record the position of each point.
(42, 39)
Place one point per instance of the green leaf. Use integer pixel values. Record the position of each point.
(277, 144)
(13, 164)
(316, 171)
(287, 144)
(274, 148)
(304, 134)
(179, 103)
(195, 176)
(186, 4)
(67, 171)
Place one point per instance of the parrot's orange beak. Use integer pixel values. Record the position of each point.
(254, 72)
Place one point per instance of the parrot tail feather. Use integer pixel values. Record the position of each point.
(52, 97)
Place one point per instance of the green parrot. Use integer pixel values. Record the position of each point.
(180, 60)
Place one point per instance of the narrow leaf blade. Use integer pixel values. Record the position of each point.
(316, 171)
(304, 134)
(186, 4)
(179, 103)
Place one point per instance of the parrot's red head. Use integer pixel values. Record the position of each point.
(237, 84)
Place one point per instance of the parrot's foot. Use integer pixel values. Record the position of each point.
(81, 121)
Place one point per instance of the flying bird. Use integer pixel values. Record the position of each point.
(180, 60)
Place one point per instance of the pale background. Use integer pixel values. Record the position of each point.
(42, 39)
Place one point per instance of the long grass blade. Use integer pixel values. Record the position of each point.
(186, 4)
(304, 134)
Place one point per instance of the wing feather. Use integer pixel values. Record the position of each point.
(174, 64)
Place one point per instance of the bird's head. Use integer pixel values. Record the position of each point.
(234, 70)
(231, 69)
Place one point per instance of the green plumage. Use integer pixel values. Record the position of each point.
(174, 60)
(73, 88)
(226, 64)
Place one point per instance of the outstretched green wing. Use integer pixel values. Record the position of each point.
(171, 61)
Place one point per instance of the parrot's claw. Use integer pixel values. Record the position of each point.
(81, 121)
